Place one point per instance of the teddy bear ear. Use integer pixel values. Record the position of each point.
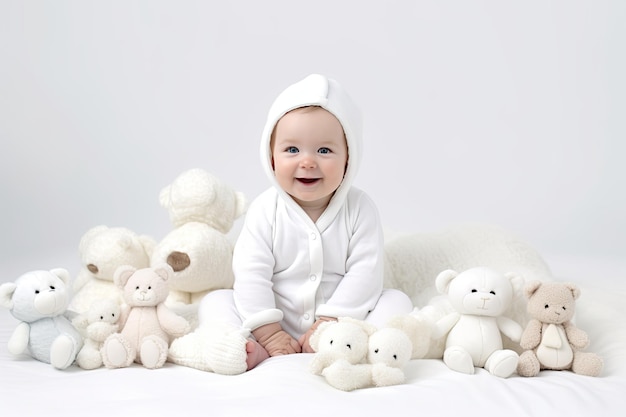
(62, 274)
(122, 274)
(314, 340)
(531, 288)
(6, 294)
(89, 235)
(517, 280)
(164, 197)
(574, 289)
(164, 271)
(443, 280)
(241, 204)
(147, 243)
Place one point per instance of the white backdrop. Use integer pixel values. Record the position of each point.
(510, 113)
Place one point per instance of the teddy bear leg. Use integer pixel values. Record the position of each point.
(117, 352)
(153, 352)
(89, 357)
(502, 363)
(587, 363)
(458, 359)
(63, 351)
(528, 364)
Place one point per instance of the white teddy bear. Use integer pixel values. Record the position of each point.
(102, 250)
(479, 297)
(345, 339)
(413, 261)
(100, 321)
(202, 210)
(389, 350)
(39, 299)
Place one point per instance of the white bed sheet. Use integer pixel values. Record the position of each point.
(283, 386)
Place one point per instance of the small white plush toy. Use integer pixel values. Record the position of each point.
(147, 324)
(39, 300)
(102, 250)
(202, 210)
(474, 330)
(100, 321)
(345, 339)
(389, 350)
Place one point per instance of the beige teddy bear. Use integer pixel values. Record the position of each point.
(551, 340)
(147, 323)
(102, 250)
(202, 210)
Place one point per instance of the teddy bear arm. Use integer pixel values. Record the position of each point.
(531, 337)
(444, 325)
(320, 361)
(577, 338)
(172, 323)
(384, 376)
(510, 328)
(19, 339)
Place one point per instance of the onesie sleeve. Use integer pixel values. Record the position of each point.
(360, 288)
(253, 265)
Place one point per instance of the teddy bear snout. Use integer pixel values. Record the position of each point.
(178, 260)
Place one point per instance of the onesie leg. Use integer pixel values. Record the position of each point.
(502, 363)
(391, 303)
(458, 359)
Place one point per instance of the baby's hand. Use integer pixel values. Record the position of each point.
(275, 340)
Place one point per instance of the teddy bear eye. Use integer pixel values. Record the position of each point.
(348, 345)
(149, 288)
(36, 291)
(52, 287)
(474, 290)
(563, 308)
(331, 342)
(492, 292)
(137, 287)
(546, 306)
(376, 351)
(395, 357)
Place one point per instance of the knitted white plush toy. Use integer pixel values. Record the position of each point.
(202, 209)
(102, 250)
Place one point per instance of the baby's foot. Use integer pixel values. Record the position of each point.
(256, 354)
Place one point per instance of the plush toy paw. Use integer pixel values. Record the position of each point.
(117, 352)
(345, 376)
(458, 359)
(528, 364)
(153, 352)
(502, 363)
(385, 376)
(63, 351)
(587, 363)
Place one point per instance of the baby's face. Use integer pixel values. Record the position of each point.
(309, 154)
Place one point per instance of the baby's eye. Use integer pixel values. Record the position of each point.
(324, 150)
(291, 149)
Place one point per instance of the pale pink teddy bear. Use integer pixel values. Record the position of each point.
(147, 324)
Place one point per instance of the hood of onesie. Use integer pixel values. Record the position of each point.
(317, 90)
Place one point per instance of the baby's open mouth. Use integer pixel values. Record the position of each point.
(308, 180)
